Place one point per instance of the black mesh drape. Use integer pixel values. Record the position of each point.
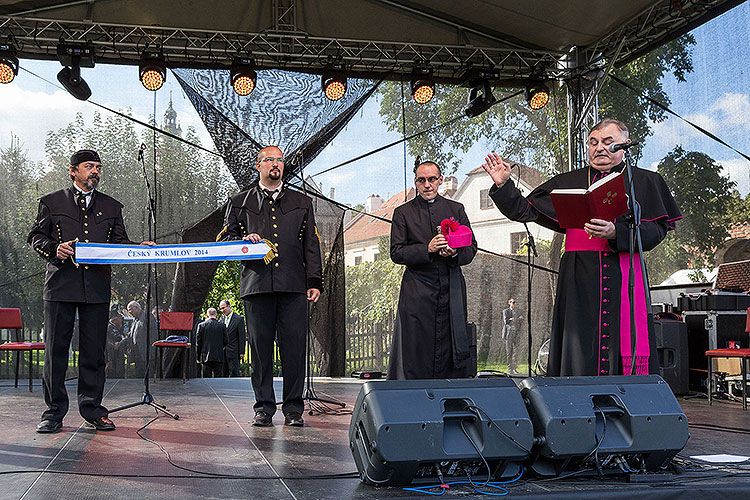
(329, 313)
(288, 110)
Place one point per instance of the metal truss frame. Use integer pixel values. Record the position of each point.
(286, 47)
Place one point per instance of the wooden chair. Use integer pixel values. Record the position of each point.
(174, 321)
(10, 319)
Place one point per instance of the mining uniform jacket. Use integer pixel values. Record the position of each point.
(288, 222)
(61, 218)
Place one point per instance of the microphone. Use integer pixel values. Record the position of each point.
(615, 147)
(141, 149)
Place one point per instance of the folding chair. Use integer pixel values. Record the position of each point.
(10, 319)
(180, 322)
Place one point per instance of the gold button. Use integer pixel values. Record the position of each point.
(85, 267)
(270, 202)
(83, 208)
(85, 216)
(275, 235)
(85, 223)
(86, 231)
(273, 210)
(273, 217)
(86, 241)
(277, 264)
(275, 226)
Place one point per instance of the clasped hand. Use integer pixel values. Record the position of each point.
(439, 245)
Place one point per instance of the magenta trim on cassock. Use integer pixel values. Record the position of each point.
(641, 325)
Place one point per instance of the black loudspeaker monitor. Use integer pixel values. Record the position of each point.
(403, 431)
(621, 422)
(672, 348)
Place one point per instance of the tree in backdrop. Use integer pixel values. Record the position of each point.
(188, 185)
(708, 206)
(21, 270)
(537, 138)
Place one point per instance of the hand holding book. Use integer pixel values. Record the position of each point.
(604, 200)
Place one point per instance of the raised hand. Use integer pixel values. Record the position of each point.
(498, 169)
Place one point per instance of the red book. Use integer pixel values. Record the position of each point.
(605, 199)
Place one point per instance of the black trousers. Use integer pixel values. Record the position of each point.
(213, 369)
(282, 316)
(58, 331)
(231, 363)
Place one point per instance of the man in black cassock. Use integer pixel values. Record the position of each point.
(591, 320)
(430, 338)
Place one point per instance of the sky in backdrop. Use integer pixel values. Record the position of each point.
(715, 96)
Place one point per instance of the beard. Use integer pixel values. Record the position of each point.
(92, 182)
(274, 174)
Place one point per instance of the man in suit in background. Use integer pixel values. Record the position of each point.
(210, 342)
(236, 339)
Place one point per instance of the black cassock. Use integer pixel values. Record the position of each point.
(430, 338)
(591, 319)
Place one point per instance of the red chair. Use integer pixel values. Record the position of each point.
(10, 319)
(175, 321)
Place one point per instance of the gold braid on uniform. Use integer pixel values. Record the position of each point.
(271, 252)
(218, 236)
(317, 233)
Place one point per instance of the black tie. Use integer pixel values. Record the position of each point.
(269, 193)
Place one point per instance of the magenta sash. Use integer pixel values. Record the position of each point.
(641, 325)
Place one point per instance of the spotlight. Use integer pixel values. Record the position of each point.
(480, 98)
(422, 87)
(537, 95)
(73, 57)
(152, 70)
(243, 76)
(8, 63)
(333, 83)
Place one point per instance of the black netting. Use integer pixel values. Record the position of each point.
(286, 109)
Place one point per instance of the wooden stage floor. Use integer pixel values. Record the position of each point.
(214, 435)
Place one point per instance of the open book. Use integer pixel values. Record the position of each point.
(605, 199)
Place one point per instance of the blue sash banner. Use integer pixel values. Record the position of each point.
(109, 253)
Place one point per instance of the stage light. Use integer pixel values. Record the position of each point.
(333, 84)
(422, 87)
(243, 76)
(152, 70)
(8, 63)
(73, 58)
(537, 95)
(480, 98)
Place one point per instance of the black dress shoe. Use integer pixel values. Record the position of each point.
(262, 419)
(294, 420)
(102, 424)
(48, 426)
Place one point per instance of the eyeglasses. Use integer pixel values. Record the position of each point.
(271, 160)
(431, 180)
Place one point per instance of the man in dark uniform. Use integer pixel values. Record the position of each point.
(236, 339)
(276, 294)
(430, 338)
(81, 213)
(591, 332)
(211, 340)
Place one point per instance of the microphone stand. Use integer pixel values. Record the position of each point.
(530, 247)
(148, 399)
(634, 236)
